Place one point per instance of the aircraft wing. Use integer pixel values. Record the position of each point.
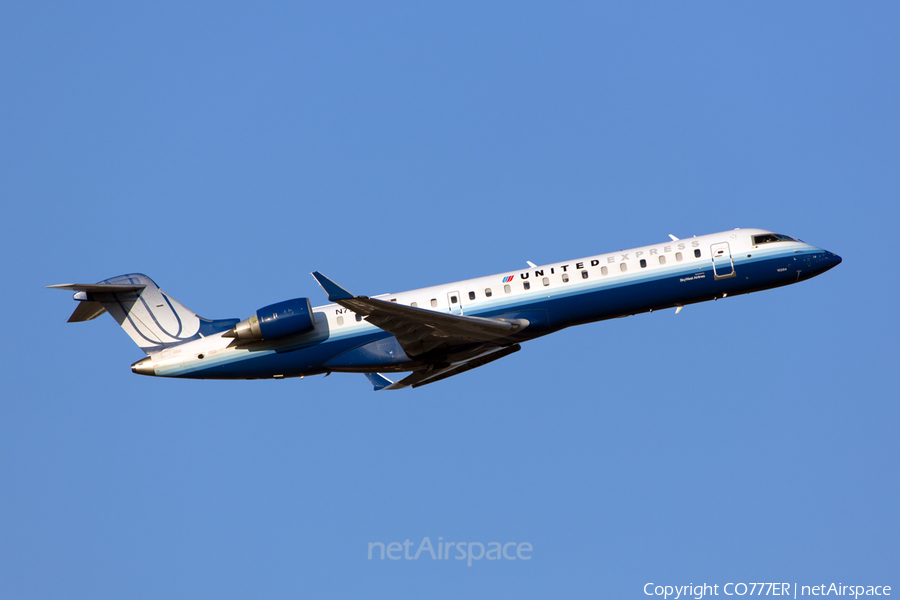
(433, 373)
(419, 330)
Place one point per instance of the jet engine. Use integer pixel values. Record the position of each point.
(282, 319)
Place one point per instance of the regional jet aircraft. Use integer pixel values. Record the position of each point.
(438, 332)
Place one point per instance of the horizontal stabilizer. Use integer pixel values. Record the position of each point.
(97, 288)
(151, 318)
(87, 311)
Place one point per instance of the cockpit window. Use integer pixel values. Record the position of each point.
(771, 237)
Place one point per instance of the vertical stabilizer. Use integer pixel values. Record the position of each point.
(152, 318)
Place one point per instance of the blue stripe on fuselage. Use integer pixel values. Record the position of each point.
(576, 302)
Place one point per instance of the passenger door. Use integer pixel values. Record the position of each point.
(723, 264)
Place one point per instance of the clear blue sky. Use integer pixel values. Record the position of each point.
(228, 150)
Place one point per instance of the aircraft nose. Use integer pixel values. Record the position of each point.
(818, 263)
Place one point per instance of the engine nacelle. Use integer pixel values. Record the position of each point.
(282, 319)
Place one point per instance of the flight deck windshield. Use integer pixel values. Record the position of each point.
(771, 237)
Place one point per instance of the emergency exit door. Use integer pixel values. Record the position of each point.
(455, 302)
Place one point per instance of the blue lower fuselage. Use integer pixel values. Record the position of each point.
(580, 301)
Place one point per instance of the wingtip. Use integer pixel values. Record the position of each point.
(378, 381)
(334, 291)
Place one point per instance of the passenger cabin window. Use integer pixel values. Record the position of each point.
(584, 274)
(604, 271)
(643, 263)
(340, 320)
(488, 293)
(434, 303)
(545, 281)
(662, 260)
(359, 316)
(507, 289)
(526, 285)
(565, 277)
(678, 256)
(623, 267)
(414, 304)
(453, 299)
(697, 253)
(471, 295)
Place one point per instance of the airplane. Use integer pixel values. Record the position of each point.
(437, 332)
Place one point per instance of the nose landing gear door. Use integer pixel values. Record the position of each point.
(723, 264)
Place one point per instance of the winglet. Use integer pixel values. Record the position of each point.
(674, 239)
(334, 291)
(378, 381)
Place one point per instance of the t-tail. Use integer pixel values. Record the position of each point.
(152, 318)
